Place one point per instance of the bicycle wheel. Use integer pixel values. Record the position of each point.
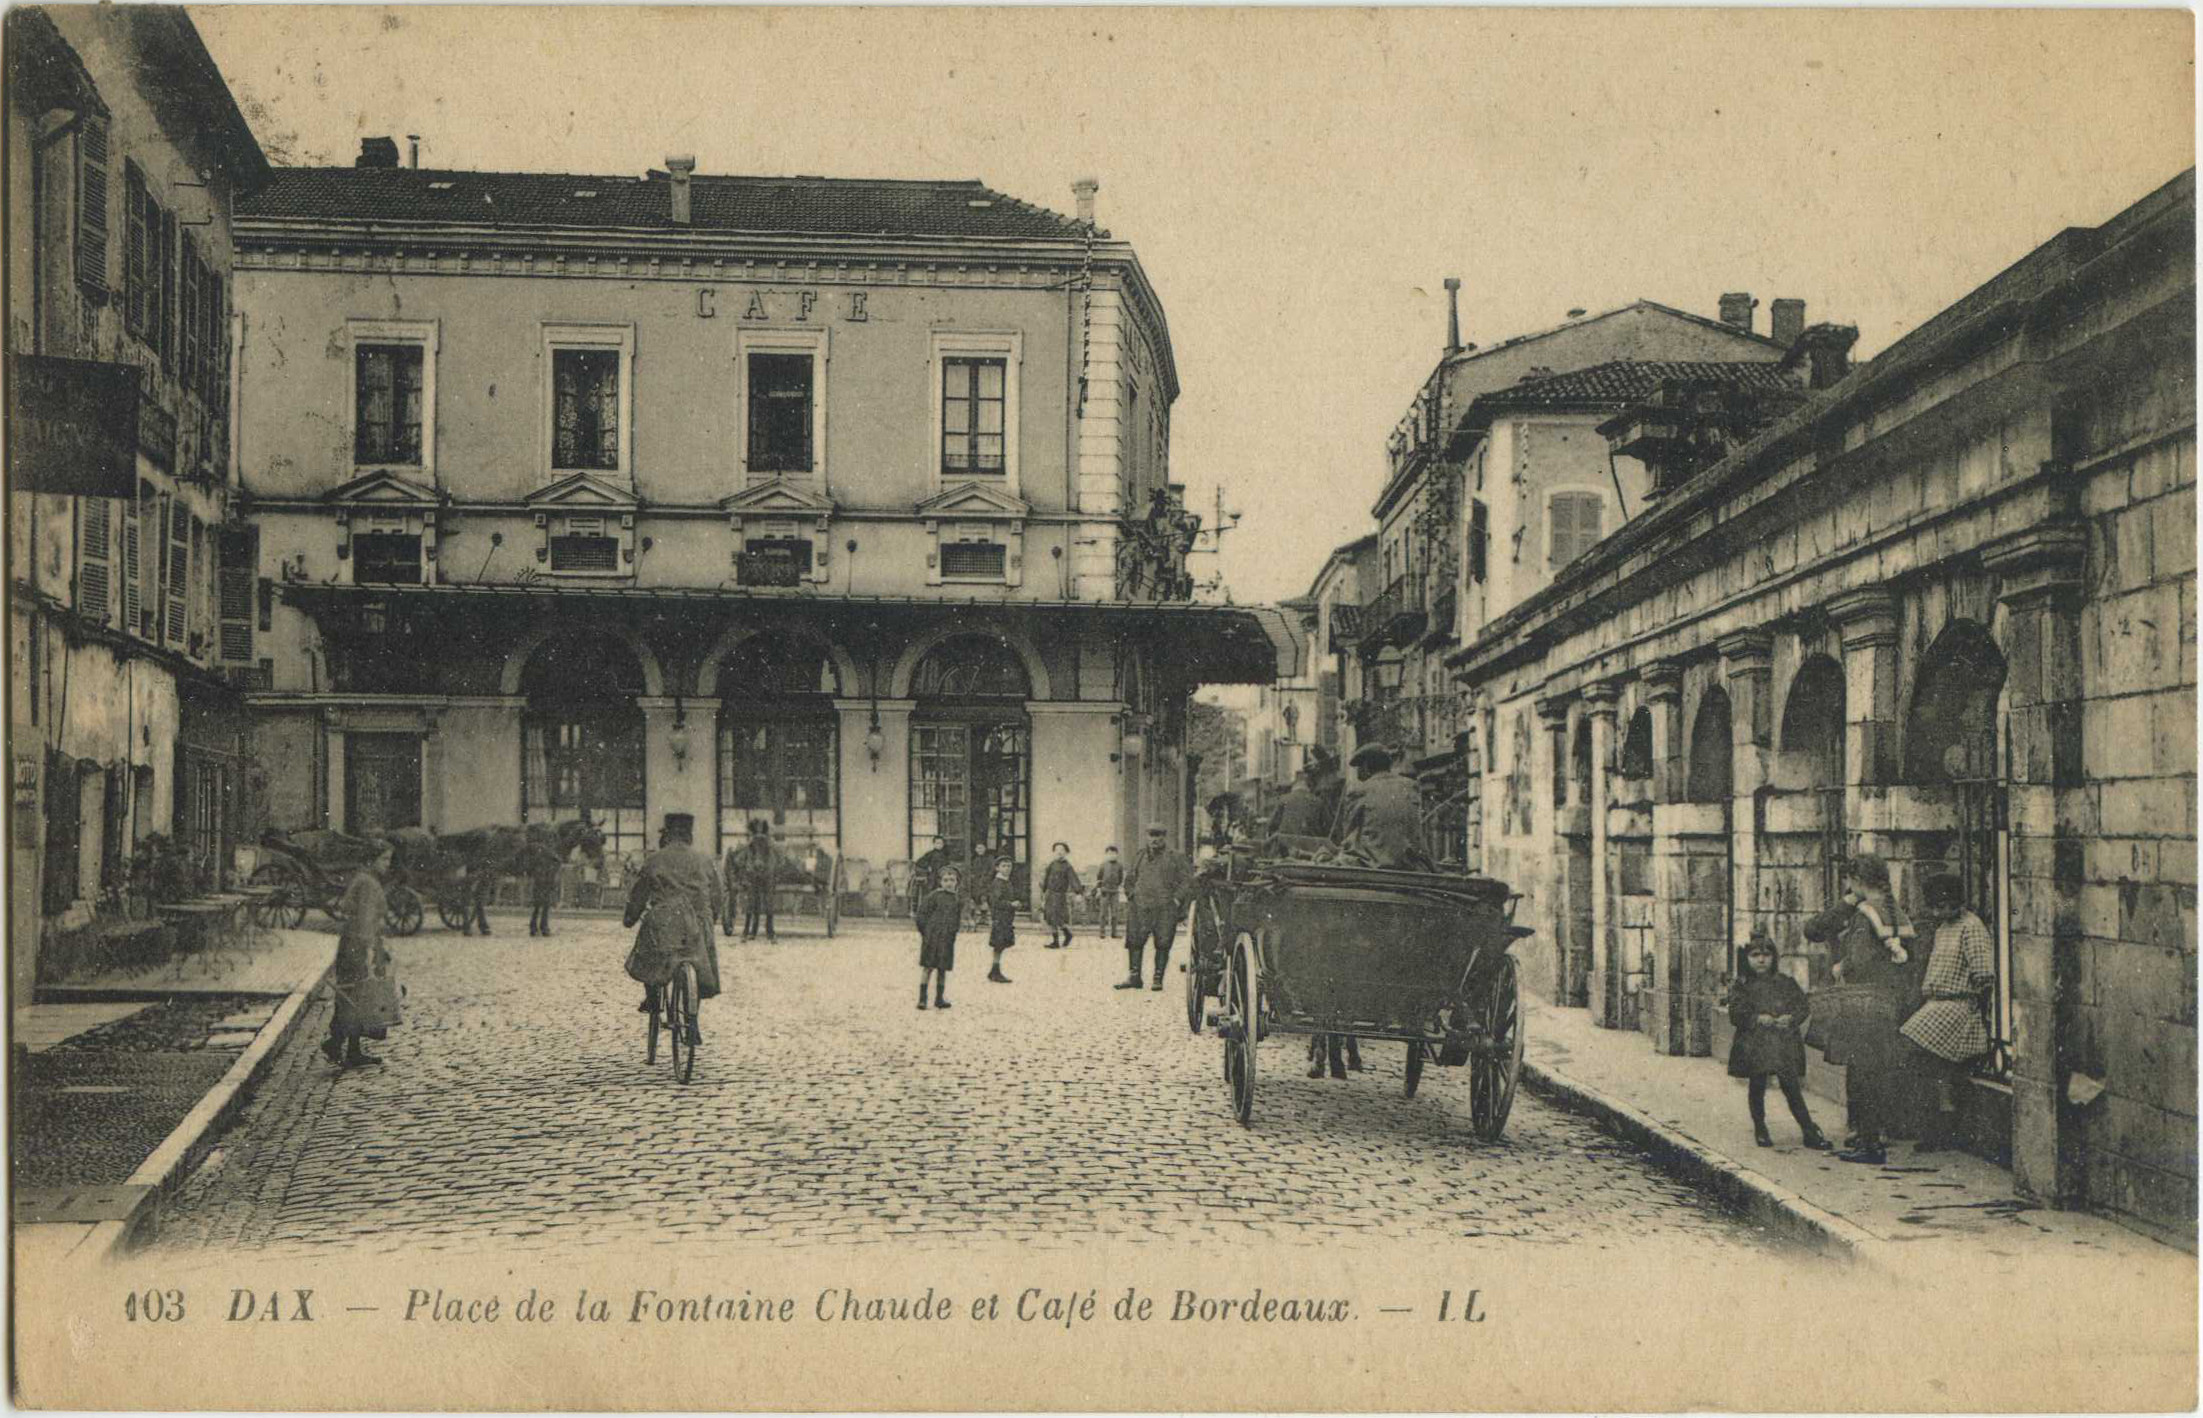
(650, 1050)
(683, 1021)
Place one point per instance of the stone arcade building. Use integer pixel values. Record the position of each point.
(1946, 613)
(843, 504)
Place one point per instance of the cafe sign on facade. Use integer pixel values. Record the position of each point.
(72, 426)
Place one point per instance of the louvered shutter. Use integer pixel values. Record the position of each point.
(188, 343)
(1479, 538)
(238, 557)
(134, 249)
(130, 594)
(164, 257)
(1561, 511)
(95, 565)
(179, 571)
(91, 222)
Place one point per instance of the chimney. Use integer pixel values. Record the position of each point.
(1736, 309)
(413, 150)
(377, 152)
(1828, 352)
(1787, 322)
(1084, 190)
(679, 169)
(1453, 315)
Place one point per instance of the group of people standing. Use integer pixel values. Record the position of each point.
(1906, 1024)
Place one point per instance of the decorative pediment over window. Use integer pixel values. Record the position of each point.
(586, 526)
(385, 504)
(975, 533)
(767, 517)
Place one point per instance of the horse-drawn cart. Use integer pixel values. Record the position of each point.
(303, 870)
(1297, 947)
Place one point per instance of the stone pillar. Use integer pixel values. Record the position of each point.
(1747, 671)
(2039, 583)
(1662, 1014)
(432, 768)
(875, 796)
(1558, 881)
(1605, 984)
(1866, 623)
(678, 762)
(1663, 681)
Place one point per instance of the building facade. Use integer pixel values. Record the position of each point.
(1945, 612)
(843, 505)
(125, 153)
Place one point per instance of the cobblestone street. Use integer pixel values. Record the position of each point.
(516, 1113)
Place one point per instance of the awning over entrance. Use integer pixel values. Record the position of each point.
(1214, 644)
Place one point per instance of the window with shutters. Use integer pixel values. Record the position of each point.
(164, 261)
(150, 538)
(780, 395)
(178, 588)
(1480, 536)
(132, 594)
(240, 562)
(91, 203)
(95, 559)
(585, 544)
(135, 249)
(1574, 519)
(189, 344)
(198, 593)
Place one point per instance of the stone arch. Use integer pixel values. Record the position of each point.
(1637, 745)
(1951, 728)
(707, 671)
(906, 668)
(1809, 747)
(516, 660)
(1579, 759)
(1709, 776)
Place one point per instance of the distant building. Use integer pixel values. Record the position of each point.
(844, 505)
(1944, 613)
(125, 152)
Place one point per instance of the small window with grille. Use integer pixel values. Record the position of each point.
(585, 544)
(972, 560)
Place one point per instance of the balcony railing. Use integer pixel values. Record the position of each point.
(1422, 724)
(1395, 617)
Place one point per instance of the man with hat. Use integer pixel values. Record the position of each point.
(754, 872)
(1157, 887)
(1302, 812)
(1381, 819)
(675, 899)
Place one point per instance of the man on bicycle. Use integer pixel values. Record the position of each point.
(676, 898)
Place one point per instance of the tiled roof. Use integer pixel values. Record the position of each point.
(1625, 381)
(820, 206)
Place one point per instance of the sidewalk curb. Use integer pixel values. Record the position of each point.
(186, 1143)
(1761, 1201)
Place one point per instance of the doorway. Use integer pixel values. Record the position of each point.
(382, 783)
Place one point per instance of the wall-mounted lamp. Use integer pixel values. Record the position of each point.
(677, 741)
(1134, 739)
(875, 739)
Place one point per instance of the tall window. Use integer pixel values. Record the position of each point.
(973, 407)
(582, 743)
(387, 385)
(780, 396)
(585, 428)
(1575, 518)
(779, 742)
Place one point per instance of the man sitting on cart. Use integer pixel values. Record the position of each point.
(676, 898)
(1381, 818)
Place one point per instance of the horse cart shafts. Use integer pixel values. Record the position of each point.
(1304, 948)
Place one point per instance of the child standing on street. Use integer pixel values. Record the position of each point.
(542, 863)
(1768, 1010)
(940, 915)
(1002, 917)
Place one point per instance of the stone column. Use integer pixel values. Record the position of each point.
(1555, 879)
(1606, 985)
(432, 768)
(1663, 681)
(1866, 623)
(1663, 1003)
(678, 764)
(1747, 669)
(2039, 581)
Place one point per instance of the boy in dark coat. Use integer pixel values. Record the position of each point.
(1768, 1010)
(1001, 916)
(1056, 886)
(541, 862)
(1108, 886)
(940, 915)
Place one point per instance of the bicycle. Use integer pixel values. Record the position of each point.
(674, 1004)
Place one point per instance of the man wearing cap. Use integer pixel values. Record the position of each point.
(1158, 885)
(676, 897)
(1381, 819)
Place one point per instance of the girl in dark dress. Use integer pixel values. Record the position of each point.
(1768, 1010)
(1002, 917)
(940, 915)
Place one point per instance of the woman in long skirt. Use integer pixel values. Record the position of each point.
(364, 983)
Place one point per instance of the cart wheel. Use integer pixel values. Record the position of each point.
(1242, 1006)
(286, 909)
(403, 914)
(1195, 992)
(452, 913)
(1415, 1055)
(1497, 1061)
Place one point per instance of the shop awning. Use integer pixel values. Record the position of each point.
(1217, 644)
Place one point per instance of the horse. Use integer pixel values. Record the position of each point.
(482, 856)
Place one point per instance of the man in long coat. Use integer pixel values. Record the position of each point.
(1382, 817)
(1301, 814)
(675, 898)
(1158, 885)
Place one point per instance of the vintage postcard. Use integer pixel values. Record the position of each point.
(1098, 709)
